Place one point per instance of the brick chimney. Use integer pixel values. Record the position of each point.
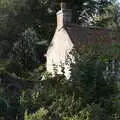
(64, 16)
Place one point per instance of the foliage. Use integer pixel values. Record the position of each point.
(3, 106)
(88, 95)
(38, 115)
(91, 93)
(6, 108)
(16, 16)
(17, 67)
(24, 50)
(107, 16)
(91, 112)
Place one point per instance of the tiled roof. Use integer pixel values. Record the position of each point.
(80, 35)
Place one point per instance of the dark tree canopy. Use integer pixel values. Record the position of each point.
(18, 15)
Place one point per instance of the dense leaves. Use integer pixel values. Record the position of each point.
(27, 92)
(16, 16)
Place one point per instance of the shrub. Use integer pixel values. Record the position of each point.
(38, 115)
(88, 95)
(3, 106)
(91, 112)
(14, 67)
(24, 50)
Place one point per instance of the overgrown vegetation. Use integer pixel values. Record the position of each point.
(28, 92)
(92, 93)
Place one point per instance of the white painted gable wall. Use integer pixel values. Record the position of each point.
(58, 51)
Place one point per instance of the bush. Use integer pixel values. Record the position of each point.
(91, 93)
(14, 67)
(88, 95)
(3, 106)
(38, 115)
(24, 50)
(91, 112)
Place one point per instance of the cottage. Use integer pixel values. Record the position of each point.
(68, 36)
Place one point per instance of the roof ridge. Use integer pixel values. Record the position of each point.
(89, 27)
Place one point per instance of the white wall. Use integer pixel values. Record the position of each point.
(58, 51)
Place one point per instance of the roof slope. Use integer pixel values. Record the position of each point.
(80, 35)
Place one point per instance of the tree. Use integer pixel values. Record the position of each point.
(107, 15)
(18, 15)
(24, 50)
